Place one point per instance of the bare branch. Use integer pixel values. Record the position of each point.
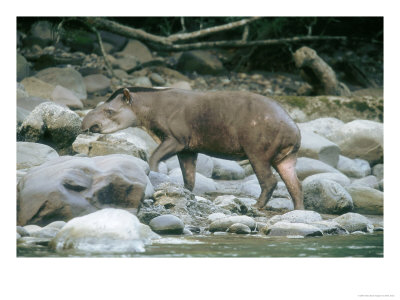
(210, 30)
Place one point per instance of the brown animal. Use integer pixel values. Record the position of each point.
(231, 125)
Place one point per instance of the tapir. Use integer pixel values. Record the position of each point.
(225, 124)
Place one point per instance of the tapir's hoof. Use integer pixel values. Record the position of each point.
(260, 204)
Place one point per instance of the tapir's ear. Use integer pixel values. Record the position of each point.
(127, 96)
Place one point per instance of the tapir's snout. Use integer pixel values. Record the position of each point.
(89, 123)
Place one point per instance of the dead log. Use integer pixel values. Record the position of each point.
(318, 73)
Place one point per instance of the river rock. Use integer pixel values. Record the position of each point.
(67, 187)
(33, 154)
(29, 103)
(229, 202)
(224, 223)
(56, 224)
(51, 124)
(157, 178)
(326, 196)
(370, 181)
(64, 96)
(22, 231)
(97, 83)
(227, 169)
(377, 171)
(357, 168)
(23, 67)
(66, 77)
(38, 88)
(317, 147)
(250, 188)
(280, 204)
(105, 231)
(156, 79)
(307, 166)
(138, 50)
(329, 227)
(283, 228)
(366, 200)
(213, 217)
(200, 61)
(31, 229)
(322, 126)
(142, 81)
(46, 233)
(340, 178)
(184, 85)
(125, 62)
(239, 228)
(167, 224)
(42, 33)
(354, 222)
(296, 216)
(202, 184)
(360, 139)
(205, 165)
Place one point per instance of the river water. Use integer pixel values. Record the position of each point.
(232, 245)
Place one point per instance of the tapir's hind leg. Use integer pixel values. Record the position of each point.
(187, 161)
(265, 177)
(287, 170)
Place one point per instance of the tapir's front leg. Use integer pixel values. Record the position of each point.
(187, 161)
(165, 150)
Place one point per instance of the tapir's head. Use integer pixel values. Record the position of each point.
(113, 115)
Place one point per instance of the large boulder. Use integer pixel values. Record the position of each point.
(326, 196)
(38, 88)
(354, 222)
(33, 154)
(227, 169)
(200, 61)
(137, 49)
(360, 139)
(51, 124)
(66, 77)
(357, 168)
(105, 231)
(315, 146)
(132, 141)
(307, 166)
(64, 96)
(292, 229)
(366, 200)
(67, 187)
(322, 126)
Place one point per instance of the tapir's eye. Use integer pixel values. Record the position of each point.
(109, 112)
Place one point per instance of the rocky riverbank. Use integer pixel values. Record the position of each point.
(76, 190)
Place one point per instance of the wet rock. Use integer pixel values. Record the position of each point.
(216, 216)
(329, 227)
(167, 224)
(202, 184)
(322, 126)
(357, 168)
(97, 83)
(225, 223)
(239, 228)
(63, 96)
(280, 204)
(201, 62)
(307, 166)
(366, 200)
(56, 224)
(67, 187)
(296, 216)
(317, 147)
(22, 231)
(283, 228)
(360, 139)
(66, 77)
(32, 228)
(51, 124)
(105, 231)
(227, 170)
(33, 154)
(354, 222)
(123, 142)
(46, 233)
(340, 178)
(370, 181)
(326, 196)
